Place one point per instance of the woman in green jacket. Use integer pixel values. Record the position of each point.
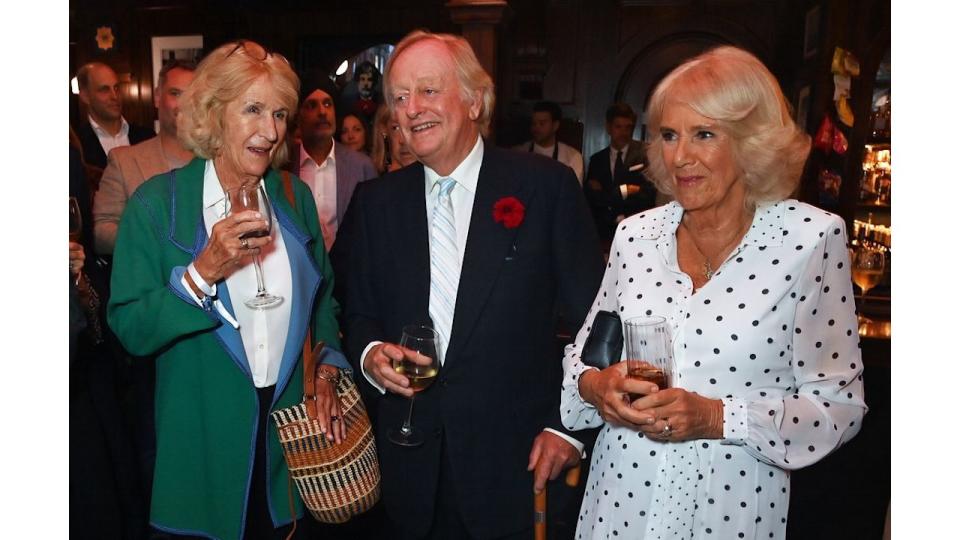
(183, 269)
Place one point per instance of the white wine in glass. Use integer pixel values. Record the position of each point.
(423, 342)
(252, 197)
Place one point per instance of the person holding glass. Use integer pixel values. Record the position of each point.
(192, 253)
(756, 290)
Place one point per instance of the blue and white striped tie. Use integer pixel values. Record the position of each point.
(444, 264)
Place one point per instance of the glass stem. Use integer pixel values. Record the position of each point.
(260, 288)
(406, 429)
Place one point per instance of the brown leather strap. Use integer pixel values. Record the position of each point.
(309, 377)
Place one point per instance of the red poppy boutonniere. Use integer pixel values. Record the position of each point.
(509, 211)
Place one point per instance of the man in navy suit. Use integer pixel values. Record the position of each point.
(105, 127)
(616, 187)
(330, 169)
(510, 233)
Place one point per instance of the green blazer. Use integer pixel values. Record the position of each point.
(206, 403)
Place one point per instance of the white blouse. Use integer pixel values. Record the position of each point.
(773, 335)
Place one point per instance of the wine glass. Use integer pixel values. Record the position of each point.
(649, 351)
(423, 341)
(76, 220)
(76, 224)
(252, 197)
(868, 264)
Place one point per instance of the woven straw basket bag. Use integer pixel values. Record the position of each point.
(336, 482)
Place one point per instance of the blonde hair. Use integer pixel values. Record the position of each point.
(473, 78)
(378, 142)
(223, 76)
(734, 88)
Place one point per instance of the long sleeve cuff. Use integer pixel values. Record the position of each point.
(363, 369)
(178, 280)
(576, 444)
(734, 421)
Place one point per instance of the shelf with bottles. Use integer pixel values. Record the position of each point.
(876, 179)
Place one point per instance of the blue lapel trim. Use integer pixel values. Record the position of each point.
(305, 277)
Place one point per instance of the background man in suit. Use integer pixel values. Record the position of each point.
(105, 128)
(485, 243)
(544, 125)
(615, 187)
(330, 169)
(130, 166)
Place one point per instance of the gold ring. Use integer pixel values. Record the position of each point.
(244, 243)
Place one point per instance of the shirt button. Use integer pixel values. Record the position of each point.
(260, 346)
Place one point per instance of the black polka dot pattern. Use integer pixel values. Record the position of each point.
(747, 338)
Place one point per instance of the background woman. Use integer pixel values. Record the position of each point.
(353, 133)
(389, 151)
(757, 291)
(181, 275)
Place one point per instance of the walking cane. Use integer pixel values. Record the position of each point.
(540, 504)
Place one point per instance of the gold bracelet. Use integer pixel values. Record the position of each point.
(329, 377)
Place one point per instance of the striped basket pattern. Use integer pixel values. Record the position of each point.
(336, 482)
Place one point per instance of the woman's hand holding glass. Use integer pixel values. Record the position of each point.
(226, 251)
(688, 415)
(607, 390)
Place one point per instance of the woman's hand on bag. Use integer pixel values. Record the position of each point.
(226, 250)
(688, 415)
(608, 391)
(329, 412)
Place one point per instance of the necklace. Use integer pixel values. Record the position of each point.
(707, 266)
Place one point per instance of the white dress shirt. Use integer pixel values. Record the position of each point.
(322, 179)
(566, 154)
(461, 197)
(108, 141)
(263, 331)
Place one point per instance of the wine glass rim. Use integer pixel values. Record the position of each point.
(420, 331)
(646, 320)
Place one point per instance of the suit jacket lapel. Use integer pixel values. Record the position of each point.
(488, 244)
(412, 230)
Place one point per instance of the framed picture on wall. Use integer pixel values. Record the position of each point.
(811, 32)
(166, 49)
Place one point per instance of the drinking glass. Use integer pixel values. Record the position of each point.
(868, 264)
(649, 351)
(252, 197)
(76, 221)
(423, 341)
(76, 225)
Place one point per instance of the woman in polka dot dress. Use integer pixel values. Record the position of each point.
(757, 291)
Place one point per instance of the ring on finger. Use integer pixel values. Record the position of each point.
(667, 430)
(245, 243)
(334, 418)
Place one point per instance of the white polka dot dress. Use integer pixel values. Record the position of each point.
(773, 335)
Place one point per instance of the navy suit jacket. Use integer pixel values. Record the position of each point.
(499, 386)
(607, 203)
(93, 153)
